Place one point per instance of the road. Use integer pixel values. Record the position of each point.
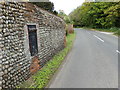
(92, 62)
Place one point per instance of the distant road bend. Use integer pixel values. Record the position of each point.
(92, 63)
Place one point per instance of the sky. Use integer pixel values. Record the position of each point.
(66, 5)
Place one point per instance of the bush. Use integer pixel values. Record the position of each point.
(117, 32)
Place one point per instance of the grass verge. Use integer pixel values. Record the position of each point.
(42, 77)
(115, 30)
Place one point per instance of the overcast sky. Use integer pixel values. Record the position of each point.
(66, 5)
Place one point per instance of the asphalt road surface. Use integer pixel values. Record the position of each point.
(92, 63)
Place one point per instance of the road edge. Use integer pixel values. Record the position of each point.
(100, 31)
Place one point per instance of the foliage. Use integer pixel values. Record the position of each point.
(49, 6)
(42, 77)
(114, 30)
(117, 32)
(68, 20)
(65, 17)
(61, 14)
(107, 0)
(97, 15)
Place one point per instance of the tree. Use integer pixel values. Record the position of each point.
(61, 14)
(49, 6)
(97, 15)
(113, 15)
(55, 12)
(65, 17)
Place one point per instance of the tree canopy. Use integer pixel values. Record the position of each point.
(65, 17)
(97, 15)
(49, 6)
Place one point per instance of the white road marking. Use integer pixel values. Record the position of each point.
(106, 32)
(99, 38)
(118, 51)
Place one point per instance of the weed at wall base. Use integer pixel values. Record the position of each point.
(42, 77)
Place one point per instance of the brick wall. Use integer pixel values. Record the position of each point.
(15, 56)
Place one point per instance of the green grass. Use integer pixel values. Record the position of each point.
(42, 77)
(115, 30)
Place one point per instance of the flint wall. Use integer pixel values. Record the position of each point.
(15, 55)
